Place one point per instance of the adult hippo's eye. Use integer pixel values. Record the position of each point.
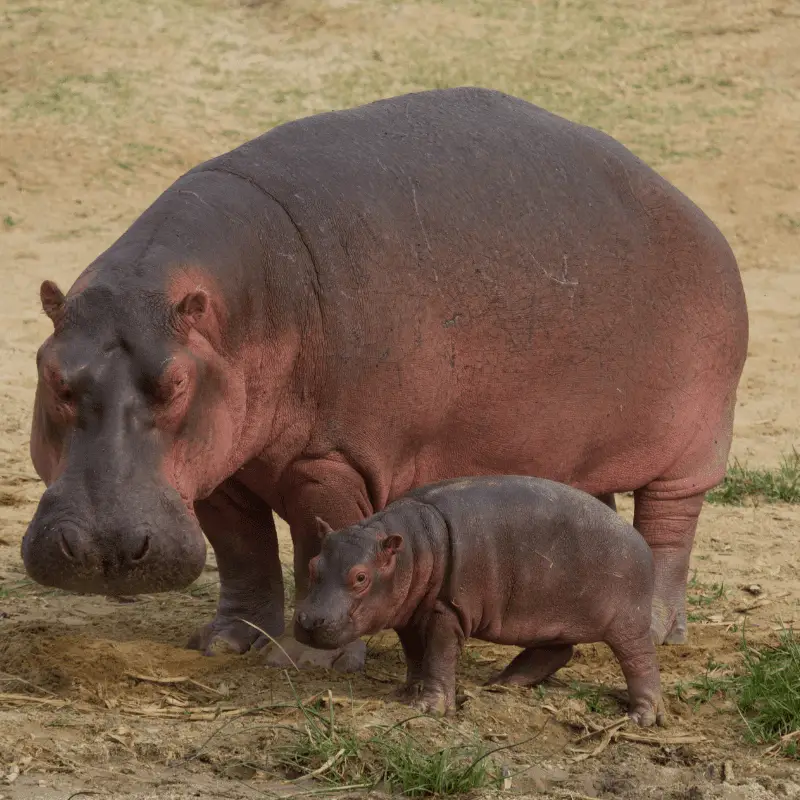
(60, 388)
(361, 578)
(171, 386)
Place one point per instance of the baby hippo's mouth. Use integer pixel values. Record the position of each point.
(324, 634)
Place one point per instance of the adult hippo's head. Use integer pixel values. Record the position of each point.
(135, 418)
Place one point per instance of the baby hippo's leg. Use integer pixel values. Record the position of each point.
(533, 665)
(637, 657)
(443, 641)
(413, 641)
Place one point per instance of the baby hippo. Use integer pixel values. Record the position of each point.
(511, 560)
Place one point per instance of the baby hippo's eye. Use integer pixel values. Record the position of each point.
(361, 578)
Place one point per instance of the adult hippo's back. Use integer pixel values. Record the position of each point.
(442, 284)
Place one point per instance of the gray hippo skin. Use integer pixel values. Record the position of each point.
(355, 304)
(511, 560)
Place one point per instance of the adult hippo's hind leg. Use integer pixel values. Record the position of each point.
(533, 665)
(241, 529)
(328, 488)
(668, 526)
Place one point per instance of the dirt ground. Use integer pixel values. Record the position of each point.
(103, 103)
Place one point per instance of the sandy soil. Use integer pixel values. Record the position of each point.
(102, 104)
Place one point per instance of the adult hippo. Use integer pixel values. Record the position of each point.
(448, 283)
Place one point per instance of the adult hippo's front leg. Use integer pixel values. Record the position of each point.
(328, 488)
(241, 529)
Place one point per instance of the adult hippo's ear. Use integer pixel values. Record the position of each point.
(189, 311)
(323, 529)
(53, 301)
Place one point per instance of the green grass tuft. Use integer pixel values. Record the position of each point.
(715, 683)
(451, 770)
(338, 757)
(781, 485)
(765, 689)
(769, 690)
(700, 596)
(595, 699)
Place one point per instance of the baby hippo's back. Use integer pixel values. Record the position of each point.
(533, 561)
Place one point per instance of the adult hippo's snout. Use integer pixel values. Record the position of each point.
(149, 545)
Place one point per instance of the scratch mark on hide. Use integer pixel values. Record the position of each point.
(419, 219)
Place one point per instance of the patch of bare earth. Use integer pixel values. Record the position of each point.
(103, 103)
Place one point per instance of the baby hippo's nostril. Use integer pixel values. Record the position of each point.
(308, 622)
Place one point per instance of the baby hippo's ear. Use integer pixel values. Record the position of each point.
(392, 544)
(323, 529)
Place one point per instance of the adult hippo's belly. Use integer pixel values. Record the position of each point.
(443, 284)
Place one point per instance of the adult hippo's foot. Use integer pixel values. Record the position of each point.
(669, 527)
(288, 652)
(241, 529)
(669, 624)
(230, 632)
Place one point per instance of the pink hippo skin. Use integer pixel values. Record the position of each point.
(511, 560)
(444, 284)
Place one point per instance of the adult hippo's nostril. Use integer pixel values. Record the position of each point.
(71, 548)
(142, 552)
(66, 549)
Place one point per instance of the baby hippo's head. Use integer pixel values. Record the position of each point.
(352, 587)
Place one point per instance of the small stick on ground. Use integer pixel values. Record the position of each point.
(609, 733)
(775, 748)
(661, 740)
(39, 701)
(319, 770)
(175, 680)
(596, 729)
(7, 676)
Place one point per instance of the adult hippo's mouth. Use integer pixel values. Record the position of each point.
(157, 546)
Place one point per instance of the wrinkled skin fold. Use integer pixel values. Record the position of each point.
(444, 284)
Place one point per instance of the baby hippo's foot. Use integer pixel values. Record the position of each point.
(287, 652)
(637, 657)
(533, 665)
(644, 712)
